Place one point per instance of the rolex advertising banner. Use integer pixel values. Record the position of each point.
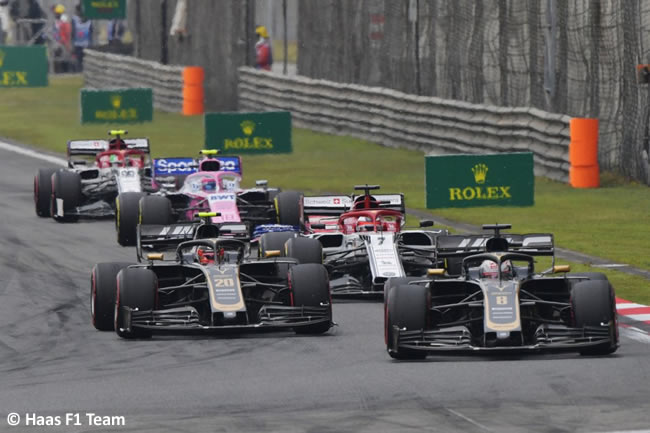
(235, 133)
(104, 9)
(503, 179)
(116, 106)
(23, 66)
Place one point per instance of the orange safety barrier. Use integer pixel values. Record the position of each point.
(583, 153)
(193, 92)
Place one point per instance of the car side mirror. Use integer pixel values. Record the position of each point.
(426, 223)
(435, 272)
(561, 268)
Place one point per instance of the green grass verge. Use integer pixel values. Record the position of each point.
(612, 221)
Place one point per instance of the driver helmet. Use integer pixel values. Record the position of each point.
(114, 160)
(116, 144)
(204, 255)
(489, 269)
(365, 224)
(208, 184)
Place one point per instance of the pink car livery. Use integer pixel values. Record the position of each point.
(212, 184)
(213, 192)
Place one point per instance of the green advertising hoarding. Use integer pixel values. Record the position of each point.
(104, 9)
(23, 66)
(116, 105)
(236, 133)
(503, 179)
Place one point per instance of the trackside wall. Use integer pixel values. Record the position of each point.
(392, 118)
(105, 71)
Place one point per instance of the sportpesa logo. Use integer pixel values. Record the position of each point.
(184, 166)
(172, 166)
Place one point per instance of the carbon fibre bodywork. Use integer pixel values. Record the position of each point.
(205, 281)
(516, 310)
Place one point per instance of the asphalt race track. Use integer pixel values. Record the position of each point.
(53, 362)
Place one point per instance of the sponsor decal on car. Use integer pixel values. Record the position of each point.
(222, 197)
(174, 166)
(185, 166)
(327, 201)
(230, 163)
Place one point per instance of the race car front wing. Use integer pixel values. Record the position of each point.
(458, 340)
(186, 319)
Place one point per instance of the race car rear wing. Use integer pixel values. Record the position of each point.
(181, 166)
(93, 147)
(338, 204)
(161, 238)
(534, 244)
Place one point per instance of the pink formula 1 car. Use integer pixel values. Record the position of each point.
(211, 184)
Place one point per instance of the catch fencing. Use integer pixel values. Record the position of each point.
(398, 119)
(105, 71)
(575, 57)
(219, 36)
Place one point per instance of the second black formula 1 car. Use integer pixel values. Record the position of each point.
(209, 285)
(499, 303)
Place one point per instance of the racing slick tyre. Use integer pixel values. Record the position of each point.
(66, 195)
(127, 210)
(43, 191)
(397, 281)
(593, 303)
(155, 209)
(273, 241)
(288, 208)
(103, 286)
(407, 307)
(305, 250)
(136, 288)
(309, 286)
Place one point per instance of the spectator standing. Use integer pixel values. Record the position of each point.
(4, 20)
(263, 51)
(61, 36)
(35, 12)
(115, 31)
(82, 35)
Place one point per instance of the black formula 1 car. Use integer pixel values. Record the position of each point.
(499, 304)
(210, 285)
(98, 170)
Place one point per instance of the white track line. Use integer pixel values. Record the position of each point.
(33, 154)
(635, 334)
(625, 306)
(468, 419)
(638, 317)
